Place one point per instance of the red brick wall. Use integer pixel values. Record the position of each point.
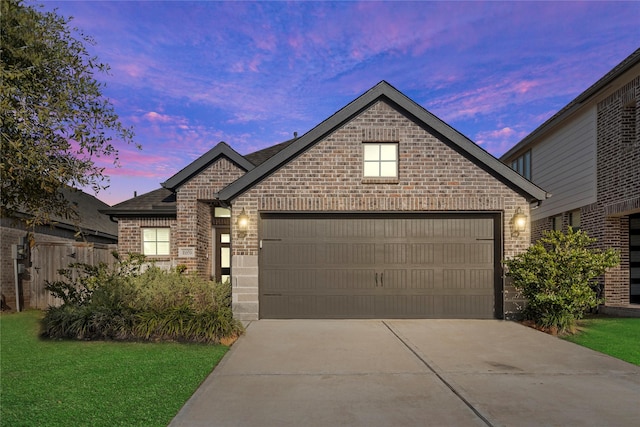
(130, 237)
(618, 195)
(432, 177)
(192, 226)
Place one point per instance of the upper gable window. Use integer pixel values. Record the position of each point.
(522, 165)
(380, 160)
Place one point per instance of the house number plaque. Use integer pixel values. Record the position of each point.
(186, 252)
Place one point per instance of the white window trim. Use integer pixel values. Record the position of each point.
(380, 161)
(156, 241)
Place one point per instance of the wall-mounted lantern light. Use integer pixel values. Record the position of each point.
(518, 223)
(243, 221)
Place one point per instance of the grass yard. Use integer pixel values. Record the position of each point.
(63, 383)
(616, 337)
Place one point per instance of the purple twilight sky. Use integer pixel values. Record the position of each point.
(188, 74)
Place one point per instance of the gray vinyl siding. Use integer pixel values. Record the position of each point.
(564, 164)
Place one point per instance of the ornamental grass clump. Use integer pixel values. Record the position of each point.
(558, 277)
(133, 300)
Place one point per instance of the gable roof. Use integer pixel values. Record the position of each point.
(384, 91)
(202, 162)
(617, 71)
(160, 202)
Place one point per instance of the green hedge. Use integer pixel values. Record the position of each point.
(133, 300)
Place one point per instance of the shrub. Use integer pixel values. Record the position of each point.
(172, 305)
(124, 302)
(557, 276)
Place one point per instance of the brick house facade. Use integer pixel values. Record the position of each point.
(604, 123)
(451, 193)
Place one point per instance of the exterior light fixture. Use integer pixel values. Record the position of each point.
(243, 221)
(518, 223)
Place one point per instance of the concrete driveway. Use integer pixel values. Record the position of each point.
(412, 373)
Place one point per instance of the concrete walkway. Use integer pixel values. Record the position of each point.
(412, 373)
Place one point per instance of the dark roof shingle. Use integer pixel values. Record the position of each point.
(261, 156)
(157, 202)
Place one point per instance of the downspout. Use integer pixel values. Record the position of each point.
(17, 276)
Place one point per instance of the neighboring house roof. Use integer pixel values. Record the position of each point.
(384, 91)
(629, 62)
(220, 150)
(89, 219)
(160, 202)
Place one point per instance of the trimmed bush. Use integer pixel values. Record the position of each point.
(557, 276)
(125, 302)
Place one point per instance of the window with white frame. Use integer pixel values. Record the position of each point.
(522, 165)
(380, 160)
(155, 241)
(557, 222)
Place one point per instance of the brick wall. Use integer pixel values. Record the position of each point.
(328, 177)
(193, 226)
(618, 195)
(130, 238)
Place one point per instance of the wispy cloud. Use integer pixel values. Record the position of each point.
(189, 74)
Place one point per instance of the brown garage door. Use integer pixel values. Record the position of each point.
(367, 266)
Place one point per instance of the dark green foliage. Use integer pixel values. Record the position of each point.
(557, 276)
(122, 302)
(55, 123)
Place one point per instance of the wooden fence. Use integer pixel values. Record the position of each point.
(47, 258)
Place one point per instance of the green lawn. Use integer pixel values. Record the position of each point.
(64, 383)
(616, 337)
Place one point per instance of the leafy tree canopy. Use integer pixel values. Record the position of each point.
(54, 120)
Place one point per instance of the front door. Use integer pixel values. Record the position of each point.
(223, 254)
(634, 259)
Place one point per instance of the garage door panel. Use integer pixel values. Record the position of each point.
(392, 280)
(350, 253)
(422, 253)
(348, 229)
(282, 280)
(284, 255)
(395, 253)
(454, 253)
(422, 279)
(418, 229)
(366, 267)
(481, 279)
(349, 278)
(479, 253)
